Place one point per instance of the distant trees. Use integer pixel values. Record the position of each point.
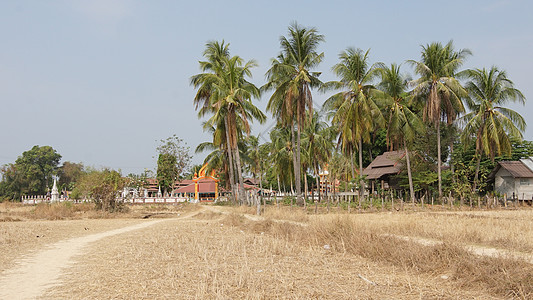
(31, 174)
(102, 187)
(69, 173)
(374, 108)
(173, 160)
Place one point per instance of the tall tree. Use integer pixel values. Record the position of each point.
(493, 125)
(355, 111)
(224, 92)
(31, 174)
(318, 141)
(69, 173)
(281, 150)
(215, 53)
(173, 160)
(291, 78)
(402, 123)
(439, 88)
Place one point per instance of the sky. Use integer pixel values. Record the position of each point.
(103, 81)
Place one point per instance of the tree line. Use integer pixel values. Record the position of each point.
(452, 124)
(33, 174)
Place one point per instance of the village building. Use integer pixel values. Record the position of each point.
(514, 179)
(203, 187)
(327, 185)
(380, 172)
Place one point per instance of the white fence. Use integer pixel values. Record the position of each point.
(32, 200)
(40, 199)
(155, 200)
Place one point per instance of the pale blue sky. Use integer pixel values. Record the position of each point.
(101, 81)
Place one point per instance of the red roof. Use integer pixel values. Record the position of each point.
(205, 186)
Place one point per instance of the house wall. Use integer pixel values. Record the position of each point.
(506, 184)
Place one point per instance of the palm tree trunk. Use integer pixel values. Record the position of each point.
(439, 163)
(478, 163)
(317, 172)
(230, 161)
(351, 164)
(305, 188)
(239, 173)
(317, 188)
(279, 192)
(261, 189)
(362, 183)
(260, 186)
(411, 189)
(452, 167)
(297, 170)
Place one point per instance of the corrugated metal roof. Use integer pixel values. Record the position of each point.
(517, 169)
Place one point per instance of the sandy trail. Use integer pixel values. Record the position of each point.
(474, 249)
(40, 271)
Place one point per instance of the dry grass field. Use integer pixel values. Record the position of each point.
(212, 252)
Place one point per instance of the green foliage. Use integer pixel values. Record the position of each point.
(172, 162)
(137, 181)
(492, 124)
(464, 159)
(31, 174)
(102, 187)
(288, 200)
(167, 172)
(106, 190)
(425, 177)
(69, 173)
(424, 143)
(377, 147)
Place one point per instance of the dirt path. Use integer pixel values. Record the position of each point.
(474, 249)
(38, 272)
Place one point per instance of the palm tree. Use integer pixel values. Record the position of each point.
(256, 161)
(354, 110)
(224, 92)
(281, 153)
(292, 80)
(439, 88)
(402, 123)
(492, 124)
(318, 143)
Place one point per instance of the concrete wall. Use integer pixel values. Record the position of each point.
(507, 184)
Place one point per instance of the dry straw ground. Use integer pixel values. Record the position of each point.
(206, 252)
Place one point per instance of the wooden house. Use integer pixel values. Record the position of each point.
(381, 170)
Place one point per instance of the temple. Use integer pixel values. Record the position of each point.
(203, 187)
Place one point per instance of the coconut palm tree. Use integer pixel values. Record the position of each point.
(492, 125)
(354, 110)
(224, 92)
(318, 143)
(402, 123)
(281, 153)
(291, 78)
(439, 87)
